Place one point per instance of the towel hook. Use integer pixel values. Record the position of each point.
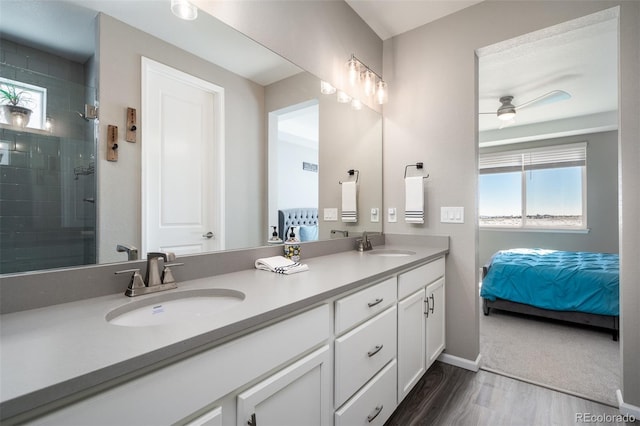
(351, 172)
(418, 166)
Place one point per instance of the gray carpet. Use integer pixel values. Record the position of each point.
(578, 360)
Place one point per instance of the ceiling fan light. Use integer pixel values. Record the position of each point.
(507, 114)
(184, 10)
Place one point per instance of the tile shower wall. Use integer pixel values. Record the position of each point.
(47, 180)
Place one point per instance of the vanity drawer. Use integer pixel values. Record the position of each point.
(354, 309)
(374, 403)
(412, 281)
(362, 352)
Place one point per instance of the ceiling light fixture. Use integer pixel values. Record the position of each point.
(372, 83)
(507, 111)
(184, 10)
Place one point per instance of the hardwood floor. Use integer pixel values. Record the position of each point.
(449, 395)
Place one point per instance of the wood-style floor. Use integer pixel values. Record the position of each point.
(449, 395)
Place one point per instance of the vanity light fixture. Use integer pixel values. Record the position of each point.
(372, 83)
(184, 10)
(356, 104)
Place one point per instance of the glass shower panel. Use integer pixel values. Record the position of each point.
(47, 176)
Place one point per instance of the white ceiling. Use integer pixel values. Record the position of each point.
(33, 22)
(389, 18)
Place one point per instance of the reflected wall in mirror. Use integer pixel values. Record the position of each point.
(345, 138)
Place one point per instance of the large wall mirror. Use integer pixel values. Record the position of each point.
(285, 143)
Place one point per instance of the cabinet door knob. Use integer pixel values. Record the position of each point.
(375, 350)
(375, 413)
(375, 302)
(208, 235)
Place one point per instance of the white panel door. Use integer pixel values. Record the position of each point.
(181, 162)
(411, 342)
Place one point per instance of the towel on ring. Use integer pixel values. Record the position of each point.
(349, 202)
(280, 265)
(414, 199)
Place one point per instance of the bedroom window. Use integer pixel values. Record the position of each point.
(541, 188)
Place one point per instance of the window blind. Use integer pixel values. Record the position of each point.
(570, 155)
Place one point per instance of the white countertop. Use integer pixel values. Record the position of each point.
(56, 351)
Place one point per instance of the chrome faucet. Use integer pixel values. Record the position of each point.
(364, 244)
(336, 231)
(154, 280)
(132, 252)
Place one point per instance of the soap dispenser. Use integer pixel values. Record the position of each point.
(275, 239)
(292, 247)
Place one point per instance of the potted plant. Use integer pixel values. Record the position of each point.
(14, 105)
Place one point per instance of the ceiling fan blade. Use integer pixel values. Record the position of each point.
(547, 98)
(492, 113)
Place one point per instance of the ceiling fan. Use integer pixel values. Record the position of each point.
(507, 110)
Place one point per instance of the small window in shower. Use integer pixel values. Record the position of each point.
(32, 97)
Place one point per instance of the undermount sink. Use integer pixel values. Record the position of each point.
(172, 307)
(391, 252)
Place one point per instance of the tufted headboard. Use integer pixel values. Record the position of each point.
(296, 217)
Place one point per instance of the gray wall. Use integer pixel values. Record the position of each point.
(119, 193)
(602, 204)
(432, 117)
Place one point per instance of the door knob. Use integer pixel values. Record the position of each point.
(208, 235)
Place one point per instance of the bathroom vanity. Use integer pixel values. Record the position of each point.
(342, 343)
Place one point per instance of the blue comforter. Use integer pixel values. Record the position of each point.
(556, 280)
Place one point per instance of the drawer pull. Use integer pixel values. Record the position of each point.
(426, 309)
(375, 302)
(375, 350)
(433, 302)
(252, 421)
(375, 413)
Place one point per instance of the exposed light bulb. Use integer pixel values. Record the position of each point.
(369, 82)
(353, 68)
(184, 10)
(382, 93)
(326, 88)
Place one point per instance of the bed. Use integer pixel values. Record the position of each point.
(304, 220)
(580, 287)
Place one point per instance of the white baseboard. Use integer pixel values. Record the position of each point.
(629, 409)
(461, 362)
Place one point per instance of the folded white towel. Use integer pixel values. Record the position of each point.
(349, 202)
(414, 199)
(280, 265)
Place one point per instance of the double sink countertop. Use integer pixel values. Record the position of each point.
(59, 350)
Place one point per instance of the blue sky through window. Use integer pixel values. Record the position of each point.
(556, 192)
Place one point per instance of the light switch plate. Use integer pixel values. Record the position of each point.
(331, 214)
(452, 214)
(375, 215)
(391, 215)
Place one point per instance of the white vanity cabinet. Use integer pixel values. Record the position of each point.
(296, 348)
(297, 395)
(421, 326)
(365, 355)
